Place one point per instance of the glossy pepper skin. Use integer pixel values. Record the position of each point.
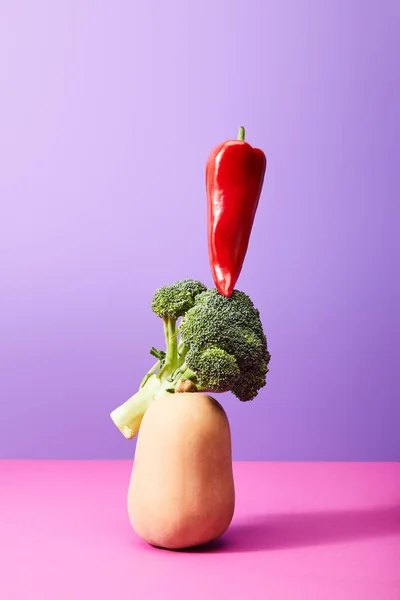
(234, 179)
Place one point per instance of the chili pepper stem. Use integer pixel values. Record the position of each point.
(241, 134)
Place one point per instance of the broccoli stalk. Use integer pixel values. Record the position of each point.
(129, 415)
(171, 344)
(218, 346)
(164, 376)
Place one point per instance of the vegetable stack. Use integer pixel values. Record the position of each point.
(181, 492)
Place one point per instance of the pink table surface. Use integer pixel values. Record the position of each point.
(301, 531)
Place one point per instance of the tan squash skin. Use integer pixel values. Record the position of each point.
(181, 492)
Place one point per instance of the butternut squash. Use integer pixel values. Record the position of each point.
(181, 491)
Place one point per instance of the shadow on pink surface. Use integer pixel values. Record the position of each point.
(295, 530)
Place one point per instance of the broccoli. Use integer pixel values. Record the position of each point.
(218, 346)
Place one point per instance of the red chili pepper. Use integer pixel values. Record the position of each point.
(234, 179)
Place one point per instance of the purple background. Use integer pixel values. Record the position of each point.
(108, 113)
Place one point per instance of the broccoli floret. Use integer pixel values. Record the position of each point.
(214, 368)
(171, 302)
(218, 346)
(175, 300)
(232, 324)
(252, 380)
